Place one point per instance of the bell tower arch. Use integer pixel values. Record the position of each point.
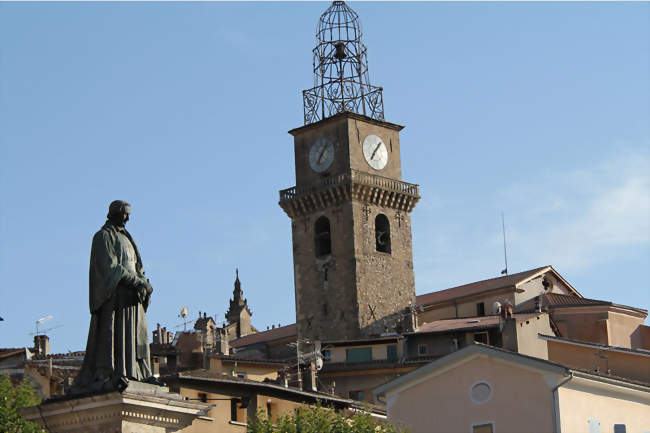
(350, 209)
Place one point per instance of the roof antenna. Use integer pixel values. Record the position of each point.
(505, 252)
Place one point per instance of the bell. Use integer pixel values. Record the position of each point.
(340, 51)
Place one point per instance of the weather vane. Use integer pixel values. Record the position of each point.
(341, 80)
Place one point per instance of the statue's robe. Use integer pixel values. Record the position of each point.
(117, 344)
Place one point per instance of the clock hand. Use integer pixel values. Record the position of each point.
(322, 151)
(376, 149)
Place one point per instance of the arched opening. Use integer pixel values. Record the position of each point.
(382, 234)
(322, 237)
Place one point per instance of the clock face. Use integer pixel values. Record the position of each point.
(375, 152)
(321, 154)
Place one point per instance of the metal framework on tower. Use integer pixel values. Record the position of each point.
(341, 80)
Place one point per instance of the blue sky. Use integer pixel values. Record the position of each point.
(539, 110)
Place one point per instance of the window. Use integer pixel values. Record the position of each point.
(391, 352)
(356, 395)
(480, 392)
(620, 428)
(480, 309)
(327, 355)
(233, 409)
(382, 234)
(483, 428)
(481, 337)
(358, 354)
(203, 397)
(171, 360)
(238, 409)
(269, 409)
(322, 237)
(422, 349)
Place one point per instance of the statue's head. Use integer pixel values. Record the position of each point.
(118, 212)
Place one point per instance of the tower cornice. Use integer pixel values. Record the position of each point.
(346, 115)
(355, 185)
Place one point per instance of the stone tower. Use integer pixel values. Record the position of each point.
(350, 210)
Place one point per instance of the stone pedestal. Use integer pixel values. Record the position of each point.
(140, 408)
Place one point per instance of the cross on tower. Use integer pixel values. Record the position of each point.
(366, 210)
(399, 217)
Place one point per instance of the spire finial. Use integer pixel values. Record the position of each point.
(237, 292)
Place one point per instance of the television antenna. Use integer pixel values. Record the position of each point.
(42, 320)
(505, 252)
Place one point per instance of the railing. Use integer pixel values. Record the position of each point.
(357, 177)
(325, 101)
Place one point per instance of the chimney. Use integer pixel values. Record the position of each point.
(223, 347)
(41, 345)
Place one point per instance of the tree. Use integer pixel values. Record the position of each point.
(13, 398)
(317, 419)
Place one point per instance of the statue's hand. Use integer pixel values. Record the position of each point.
(143, 287)
(148, 287)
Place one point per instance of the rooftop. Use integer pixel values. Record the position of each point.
(279, 333)
(603, 347)
(206, 376)
(558, 300)
(478, 287)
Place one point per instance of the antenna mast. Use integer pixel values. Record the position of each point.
(505, 251)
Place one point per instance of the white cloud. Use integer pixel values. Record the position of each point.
(583, 217)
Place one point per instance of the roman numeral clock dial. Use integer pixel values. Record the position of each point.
(375, 152)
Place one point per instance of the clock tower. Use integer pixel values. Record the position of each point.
(350, 209)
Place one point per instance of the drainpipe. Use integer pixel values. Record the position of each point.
(553, 411)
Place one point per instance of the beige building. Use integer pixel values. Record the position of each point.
(482, 389)
(618, 361)
(234, 400)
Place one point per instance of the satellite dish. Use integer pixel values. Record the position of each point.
(319, 363)
(496, 307)
(184, 312)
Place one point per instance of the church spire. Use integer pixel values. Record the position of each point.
(237, 293)
(238, 303)
(341, 81)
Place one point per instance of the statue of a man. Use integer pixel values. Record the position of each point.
(118, 346)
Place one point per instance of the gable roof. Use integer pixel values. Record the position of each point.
(470, 351)
(279, 333)
(478, 349)
(478, 287)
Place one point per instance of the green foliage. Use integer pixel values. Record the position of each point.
(316, 419)
(13, 398)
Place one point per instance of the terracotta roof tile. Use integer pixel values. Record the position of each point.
(558, 300)
(4, 353)
(475, 288)
(467, 323)
(266, 336)
(464, 323)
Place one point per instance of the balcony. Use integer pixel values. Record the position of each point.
(357, 185)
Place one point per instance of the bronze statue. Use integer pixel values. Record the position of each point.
(118, 346)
